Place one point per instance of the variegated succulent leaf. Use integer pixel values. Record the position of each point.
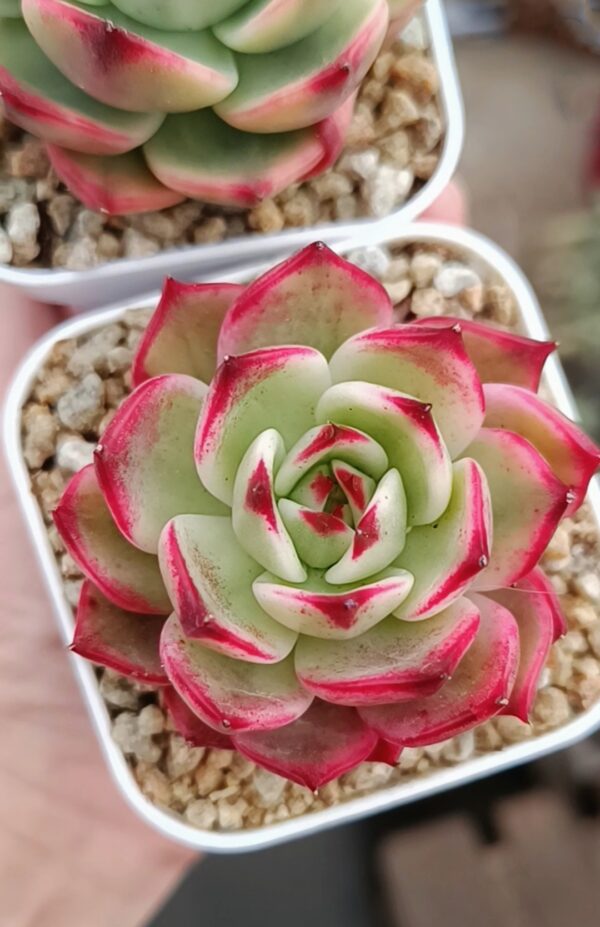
(345, 525)
(145, 102)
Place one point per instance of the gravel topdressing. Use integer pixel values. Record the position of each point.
(393, 147)
(79, 387)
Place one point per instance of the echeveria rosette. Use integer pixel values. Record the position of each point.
(333, 522)
(144, 102)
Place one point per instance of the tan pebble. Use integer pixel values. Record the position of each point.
(460, 748)
(373, 91)
(114, 391)
(109, 246)
(55, 540)
(226, 792)
(424, 266)
(346, 207)
(266, 217)
(29, 160)
(72, 588)
(362, 127)
(220, 759)
(589, 692)
(201, 813)
(399, 109)
(551, 707)
(424, 165)
(512, 730)
(68, 567)
(61, 210)
(487, 738)
(151, 720)
(588, 667)
(301, 210)
(558, 553)
(241, 767)
(558, 584)
(398, 290)
(383, 66)
(471, 299)
(423, 765)
(574, 642)
(362, 164)
(132, 741)
(22, 227)
(255, 816)
(501, 303)
(88, 223)
(117, 691)
(409, 758)
(580, 613)
(40, 431)
(92, 353)
(49, 486)
(428, 302)
(559, 669)
(332, 185)
(154, 783)
(330, 793)
(282, 813)
(369, 776)
(419, 73)
(137, 245)
(208, 779)
(210, 230)
(396, 148)
(183, 791)
(52, 385)
(588, 586)
(105, 421)
(427, 132)
(268, 787)
(593, 635)
(159, 225)
(231, 816)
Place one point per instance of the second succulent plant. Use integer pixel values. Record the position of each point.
(318, 531)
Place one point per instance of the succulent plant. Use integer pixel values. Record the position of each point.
(144, 102)
(341, 517)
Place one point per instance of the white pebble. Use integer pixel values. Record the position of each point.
(373, 260)
(80, 407)
(22, 226)
(386, 189)
(588, 586)
(415, 35)
(364, 164)
(453, 278)
(6, 248)
(74, 454)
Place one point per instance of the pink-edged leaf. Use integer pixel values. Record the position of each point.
(191, 728)
(385, 752)
(428, 364)
(499, 356)
(332, 134)
(528, 501)
(255, 517)
(271, 388)
(209, 578)
(357, 487)
(394, 661)
(231, 695)
(572, 456)
(314, 298)
(321, 610)
(302, 84)
(116, 185)
(183, 332)
(321, 745)
(478, 690)
(325, 443)
(444, 557)
(320, 538)
(122, 641)
(535, 607)
(124, 574)
(145, 463)
(380, 534)
(406, 430)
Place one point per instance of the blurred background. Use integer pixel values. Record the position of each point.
(521, 849)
